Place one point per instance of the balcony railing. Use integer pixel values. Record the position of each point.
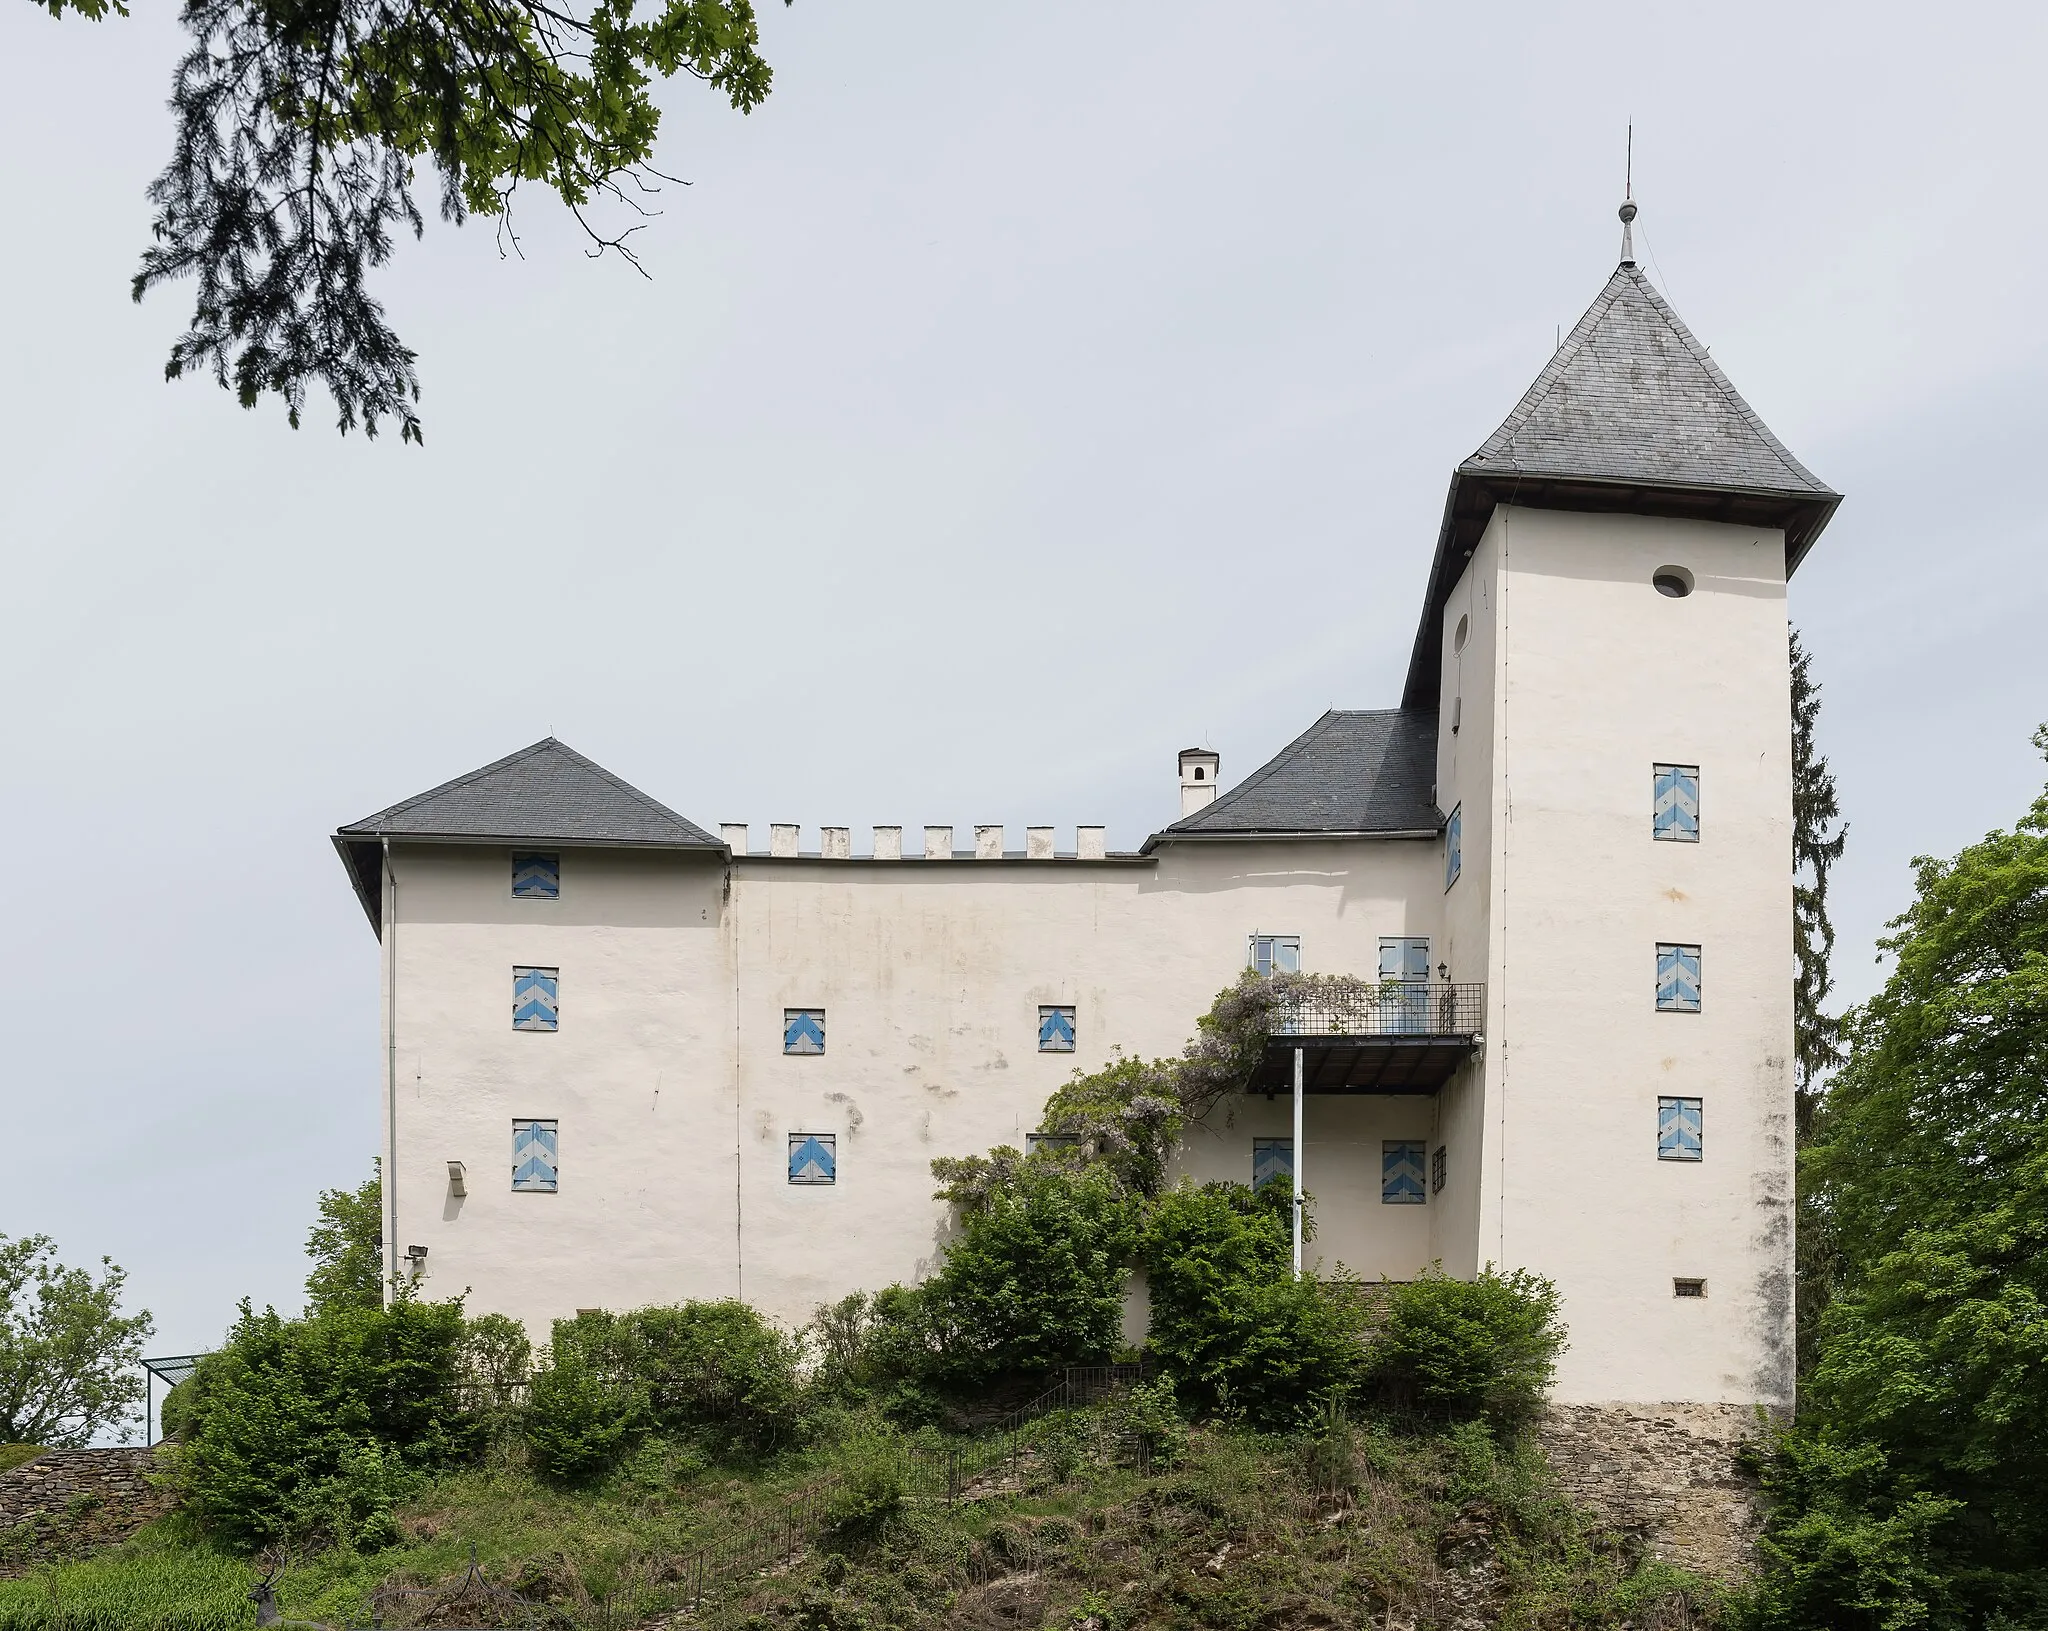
(1405, 1036)
(1396, 1008)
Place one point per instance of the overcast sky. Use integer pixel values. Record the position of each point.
(1021, 394)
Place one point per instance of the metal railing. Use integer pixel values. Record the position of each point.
(1395, 1008)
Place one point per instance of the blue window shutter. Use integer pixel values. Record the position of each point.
(1276, 954)
(535, 1160)
(1679, 1127)
(1454, 846)
(803, 1030)
(536, 876)
(1678, 979)
(1273, 1158)
(813, 1158)
(1401, 1172)
(536, 1002)
(1055, 1030)
(1676, 803)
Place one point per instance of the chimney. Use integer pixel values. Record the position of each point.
(988, 843)
(938, 843)
(835, 843)
(782, 837)
(1091, 843)
(1038, 843)
(733, 834)
(1197, 779)
(888, 843)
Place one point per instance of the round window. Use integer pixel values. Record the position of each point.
(1458, 639)
(1674, 581)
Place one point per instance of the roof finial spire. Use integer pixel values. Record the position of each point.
(1628, 200)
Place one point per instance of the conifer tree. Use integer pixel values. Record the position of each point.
(1818, 836)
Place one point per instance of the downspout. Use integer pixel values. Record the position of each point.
(1296, 1163)
(390, 1185)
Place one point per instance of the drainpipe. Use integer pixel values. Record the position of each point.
(1296, 1163)
(390, 1184)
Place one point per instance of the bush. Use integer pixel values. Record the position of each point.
(288, 1406)
(1486, 1347)
(869, 1491)
(1230, 1322)
(579, 1419)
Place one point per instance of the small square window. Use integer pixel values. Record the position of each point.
(1276, 954)
(1437, 1165)
(1055, 1029)
(1401, 1172)
(534, 1157)
(1273, 1159)
(1675, 803)
(1678, 1130)
(1678, 979)
(803, 1030)
(536, 876)
(814, 1158)
(536, 1001)
(1034, 1142)
(1454, 846)
(1688, 1288)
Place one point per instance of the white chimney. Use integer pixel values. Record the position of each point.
(1091, 843)
(1038, 843)
(1197, 779)
(938, 843)
(988, 843)
(733, 834)
(782, 837)
(888, 843)
(835, 843)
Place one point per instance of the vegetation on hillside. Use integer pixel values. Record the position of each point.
(68, 1355)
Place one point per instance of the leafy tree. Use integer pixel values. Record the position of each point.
(347, 1248)
(1481, 1347)
(1922, 1446)
(299, 124)
(67, 1352)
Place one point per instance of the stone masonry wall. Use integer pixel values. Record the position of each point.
(1666, 1474)
(66, 1502)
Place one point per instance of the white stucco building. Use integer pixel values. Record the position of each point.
(628, 1060)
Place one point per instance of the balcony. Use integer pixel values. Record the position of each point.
(1400, 1037)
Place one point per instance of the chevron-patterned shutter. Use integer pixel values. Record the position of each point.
(534, 1157)
(1273, 1158)
(1679, 1125)
(1678, 979)
(1454, 846)
(535, 999)
(1675, 803)
(1055, 1029)
(1401, 1172)
(803, 1030)
(536, 876)
(813, 1158)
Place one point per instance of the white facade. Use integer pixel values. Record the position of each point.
(1555, 677)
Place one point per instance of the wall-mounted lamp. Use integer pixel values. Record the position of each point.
(1443, 972)
(416, 1260)
(456, 1186)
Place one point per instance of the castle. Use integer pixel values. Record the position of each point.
(627, 1060)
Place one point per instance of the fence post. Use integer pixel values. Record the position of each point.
(952, 1473)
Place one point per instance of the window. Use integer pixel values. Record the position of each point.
(1454, 846)
(1404, 1006)
(1404, 957)
(1437, 1163)
(1688, 1288)
(1401, 1172)
(1672, 581)
(803, 1030)
(535, 876)
(1678, 1130)
(1675, 803)
(1273, 1159)
(535, 1002)
(1034, 1142)
(1276, 954)
(533, 1157)
(1055, 1029)
(1678, 979)
(814, 1158)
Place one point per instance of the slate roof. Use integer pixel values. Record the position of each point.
(546, 793)
(1631, 414)
(1349, 772)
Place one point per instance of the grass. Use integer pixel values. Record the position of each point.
(1355, 1525)
(15, 1455)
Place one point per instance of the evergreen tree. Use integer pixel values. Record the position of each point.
(1817, 839)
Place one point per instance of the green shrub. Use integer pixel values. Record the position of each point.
(579, 1418)
(1328, 1453)
(288, 1405)
(1485, 1347)
(869, 1491)
(1151, 1413)
(1230, 1323)
(716, 1370)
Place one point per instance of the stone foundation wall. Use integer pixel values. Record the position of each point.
(67, 1502)
(1665, 1474)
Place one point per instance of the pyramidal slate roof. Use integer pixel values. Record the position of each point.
(546, 793)
(1630, 414)
(1349, 772)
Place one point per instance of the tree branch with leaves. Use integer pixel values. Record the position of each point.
(68, 1355)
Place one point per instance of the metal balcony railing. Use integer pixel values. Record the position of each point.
(1395, 1009)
